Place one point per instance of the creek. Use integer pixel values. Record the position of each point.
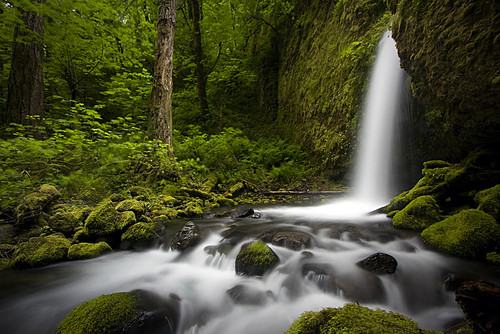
(214, 299)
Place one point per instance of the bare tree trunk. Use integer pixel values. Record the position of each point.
(160, 120)
(201, 80)
(25, 88)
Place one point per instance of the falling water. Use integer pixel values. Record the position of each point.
(373, 169)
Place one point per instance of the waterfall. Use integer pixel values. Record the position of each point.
(373, 172)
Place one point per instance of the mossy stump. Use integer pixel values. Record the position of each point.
(354, 319)
(255, 259)
(469, 233)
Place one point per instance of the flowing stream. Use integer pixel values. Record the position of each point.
(214, 299)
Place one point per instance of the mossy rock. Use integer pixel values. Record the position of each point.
(102, 220)
(41, 251)
(33, 204)
(225, 202)
(469, 233)
(255, 259)
(64, 222)
(193, 209)
(124, 220)
(122, 312)
(85, 250)
(354, 319)
(195, 193)
(139, 235)
(436, 181)
(139, 191)
(419, 214)
(489, 201)
(494, 258)
(137, 207)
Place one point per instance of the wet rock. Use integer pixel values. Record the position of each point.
(137, 311)
(292, 240)
(317, 269)
(223, 248)
(248, 295)
(187, 237)
(363, 288)
(480, 303)
(41, 251)
(469, 233)
(267, 236)
(33, 204)
(85, 250)
(255, 259)
(242, 212)
(419, 214)
(379, 263)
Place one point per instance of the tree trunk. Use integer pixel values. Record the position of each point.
(160, 121)
(201, 83)
(25, 88)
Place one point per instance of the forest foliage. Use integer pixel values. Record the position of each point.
(97, 67)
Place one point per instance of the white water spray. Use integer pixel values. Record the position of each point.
(373, 172)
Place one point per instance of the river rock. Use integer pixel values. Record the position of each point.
(379, 263)
(255, 259)
(138, 236)
(480, 303)
(101, 221)
(41, 251)
(419, 214)
(248, 295)
(86, 250)
(187, 237)
(243, 212)
(292, 240)
(123, 312)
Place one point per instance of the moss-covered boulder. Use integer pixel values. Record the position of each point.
(139, 235)
(102, 221)
(469, 233)
(124, 220)
(419, 214)
(138, 191)
(123, 312)
(489, 201)
(41, 251)
(64, 222)
(354, 319)
(137, 207)
(33, 204)
(195, 193)
(255, 259)
(493, 258)
(86, 250)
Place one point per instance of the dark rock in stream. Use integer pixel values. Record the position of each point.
(243, 212)
(187, 237)
(248, 295)
(292, 240)
(379, 263)
(480, 303)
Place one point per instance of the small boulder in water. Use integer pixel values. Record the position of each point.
(292, 240)
(248, 295)
(379, 263)
(255, 258)
(243, 212)
(187, 237)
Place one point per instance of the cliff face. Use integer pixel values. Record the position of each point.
(323, 71)
(451, 50)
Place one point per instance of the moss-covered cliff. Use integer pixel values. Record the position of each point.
(451, 50)
(324, 67)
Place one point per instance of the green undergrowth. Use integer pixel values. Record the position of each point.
(88, 159)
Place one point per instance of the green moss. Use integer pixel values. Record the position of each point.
(139, 232)
(489, 201)
(138, 207)
(87, 250)
(469, 233)
(124, 220)
(41, 251)
(354, 319)
(101, 222)
(33, 204)
(139, 191)
(419, 214)
(193, 209)
(255, 259)
(195, 193)
(493, 257)
(64, 222)
(105, 314)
